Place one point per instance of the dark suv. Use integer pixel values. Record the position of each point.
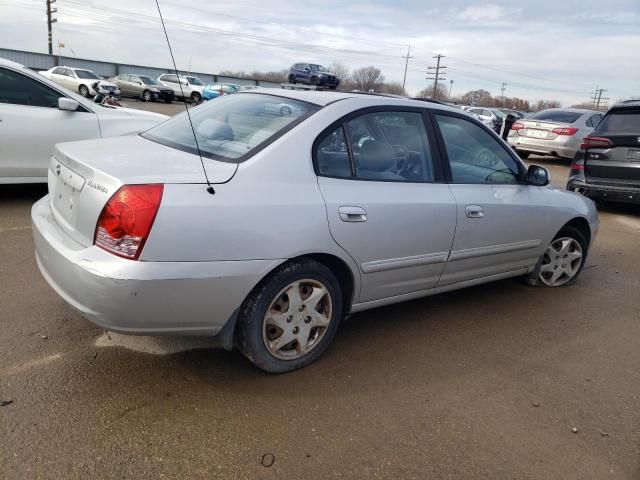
(607, 166)
(313, 74)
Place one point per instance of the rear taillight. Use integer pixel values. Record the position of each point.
(564, 131)
(517, 126)
(126, 220)
(595, 142)
(577, 166)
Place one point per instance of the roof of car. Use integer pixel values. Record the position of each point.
(8, 63)
(325, 97)
(575, 110)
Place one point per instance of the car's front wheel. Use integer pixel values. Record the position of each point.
(290, 317)
(292, 79)
(523, 155)
(147, 96)
(563, 260)
(196, 97)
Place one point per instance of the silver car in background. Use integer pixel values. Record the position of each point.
(143, 87)
(555, 131)
(347, 203)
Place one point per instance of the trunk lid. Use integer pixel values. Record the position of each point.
(540, 129)
(83, 176)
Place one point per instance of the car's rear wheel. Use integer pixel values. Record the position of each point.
(291, 317)
(523, 155)
(292, 79)
(146, 96)
(167, 100)
(563, 260)
(196, 97)
(84, 91)
(314, 81)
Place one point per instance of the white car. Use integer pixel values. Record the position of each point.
(80, 80)
(189, 87)
(35, 114)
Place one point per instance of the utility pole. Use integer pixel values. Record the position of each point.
(406, 65)
(437, 71)
(504, 86)
(451, 82)
(50, 22)
(598, 98)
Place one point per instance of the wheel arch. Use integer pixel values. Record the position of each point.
(582, 225)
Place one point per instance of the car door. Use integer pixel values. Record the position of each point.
(380, 177)
(70, 81)
(502, 223)
(124, 84)
(57, 75)
(135, 86)
(25, 101)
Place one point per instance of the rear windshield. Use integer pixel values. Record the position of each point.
(621, 121)
(560, 116)
(233, 127)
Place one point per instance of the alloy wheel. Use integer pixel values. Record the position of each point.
(561, 262)
(297, 319)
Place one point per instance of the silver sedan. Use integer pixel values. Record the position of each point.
(271, 228)
(556, 131)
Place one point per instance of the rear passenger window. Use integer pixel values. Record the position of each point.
(383, 146)
(390, 146)
(475, 156)
(332, 155)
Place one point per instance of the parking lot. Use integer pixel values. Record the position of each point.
(496, 381)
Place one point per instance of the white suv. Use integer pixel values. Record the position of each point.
(80, 80)
(191, 86)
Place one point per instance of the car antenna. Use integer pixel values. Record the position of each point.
(193, 130)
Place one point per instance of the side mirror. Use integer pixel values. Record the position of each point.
(538, 176)
(69, 104)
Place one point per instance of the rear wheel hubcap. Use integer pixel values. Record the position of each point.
(561, 262)
(297, 319)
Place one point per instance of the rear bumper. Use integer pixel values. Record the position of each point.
(612, 193)
(563, 148)
(145, 298)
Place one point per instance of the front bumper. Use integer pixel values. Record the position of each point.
(145, 298)
(164, 95)
(562, 146)
(612, 193)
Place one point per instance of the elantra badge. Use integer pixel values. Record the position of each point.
(58, 169)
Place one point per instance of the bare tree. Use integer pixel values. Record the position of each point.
(478, 97)
(442, 92)
(340, 70)
(367, 78)
(394, 88)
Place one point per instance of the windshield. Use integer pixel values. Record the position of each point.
(194, 80)
(499, 114)
(147, 80)
(560, 116)
(233, 127)
(86, 74)
(317, 68)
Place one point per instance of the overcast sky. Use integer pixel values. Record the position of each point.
(551, 49)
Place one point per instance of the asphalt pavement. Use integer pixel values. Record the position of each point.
(500, 381)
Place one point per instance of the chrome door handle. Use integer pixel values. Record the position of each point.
(474, 211)
(352, 214)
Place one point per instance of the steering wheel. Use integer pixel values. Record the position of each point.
(484, 158)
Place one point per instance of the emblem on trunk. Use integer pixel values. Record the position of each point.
(58, 169)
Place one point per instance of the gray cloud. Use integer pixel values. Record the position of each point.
(547, 49)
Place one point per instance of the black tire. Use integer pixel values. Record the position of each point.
(533, 278)
(196, 97)
(249, 330)
(84, 91)
(167, 100)
(147, 96)
(333, 87)
(314, 81)
(523, 155)
(292, 79)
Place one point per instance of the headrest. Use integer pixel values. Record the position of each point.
(377, 156)
(215, 130)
